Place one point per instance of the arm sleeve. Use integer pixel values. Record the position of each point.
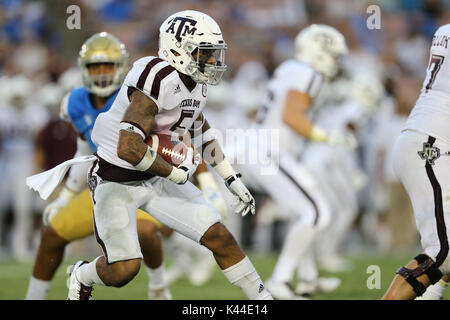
(64, 108)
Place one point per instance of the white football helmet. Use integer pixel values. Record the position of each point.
(367, 89)
(103, 47)
(188, 40)
(321, 46)
(19, 90)
(70, 79)
(50, 95)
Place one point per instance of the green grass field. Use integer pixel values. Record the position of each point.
(14, 279)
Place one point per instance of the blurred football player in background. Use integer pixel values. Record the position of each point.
(20, 120)
(293, 93)
(103, 61)
(353, 102)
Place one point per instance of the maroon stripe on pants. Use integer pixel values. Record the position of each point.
(314, 204)
(438, 212)
(99, 240)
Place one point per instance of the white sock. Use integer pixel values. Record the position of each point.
(436, 290)
(306, 267)
(156, 278)
(298, 240)
(87, 274)
(37, 289)
(244, 276)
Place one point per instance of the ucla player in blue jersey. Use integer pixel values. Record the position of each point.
(103, 61)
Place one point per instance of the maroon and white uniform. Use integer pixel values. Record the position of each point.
(119, 189)
(421, 154)
(178, 107)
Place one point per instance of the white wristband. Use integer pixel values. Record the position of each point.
(177, 175)
(318, 134)
(224, 169)
(147, 160)
(131, 128)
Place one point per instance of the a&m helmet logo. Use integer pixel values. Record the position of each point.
(186, 26)
(429, 153)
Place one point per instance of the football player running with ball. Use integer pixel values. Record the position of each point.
(103, 60)
(164, 95)
(422, 163)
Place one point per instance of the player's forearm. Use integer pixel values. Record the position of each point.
(202, 167)
(213, 155)
(160, 167)
(212, 152)
(134, 150)
(299, 123)
(131, 147)
(295, 116)
(302, 126)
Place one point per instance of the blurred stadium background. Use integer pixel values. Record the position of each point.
(38, 65)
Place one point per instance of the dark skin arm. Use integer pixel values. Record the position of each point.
(131, 147)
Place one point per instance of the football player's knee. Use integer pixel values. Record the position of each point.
(51, 239)
(217, 237)
(425, 266)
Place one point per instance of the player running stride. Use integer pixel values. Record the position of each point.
(164, 95)
(103, 60)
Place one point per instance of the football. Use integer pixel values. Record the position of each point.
(174, 152)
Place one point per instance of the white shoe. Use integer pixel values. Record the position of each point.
(318, 285)
(429, 297)
(434, 292)
(159, 293)
(335, 263)
(77, 290)
(281, 291)
(202, 271)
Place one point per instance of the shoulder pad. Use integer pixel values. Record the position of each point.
(76, 103)
(64, 108)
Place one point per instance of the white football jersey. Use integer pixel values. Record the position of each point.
(158, 80)
(18, 128)
(431, 114)
(290, 75)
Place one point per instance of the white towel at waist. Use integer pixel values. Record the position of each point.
(45, 182)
